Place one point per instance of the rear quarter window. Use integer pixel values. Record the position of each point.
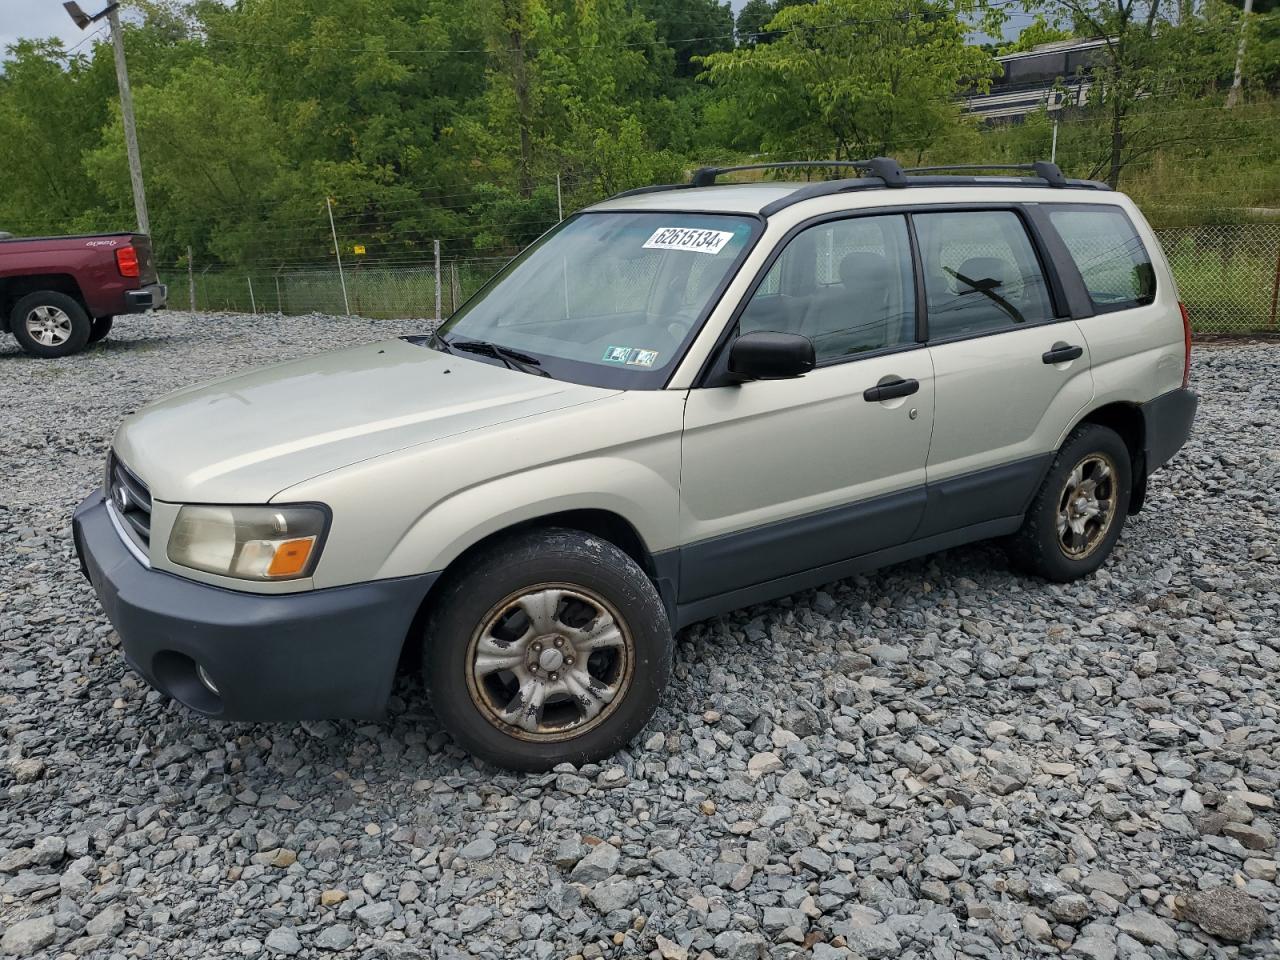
(1109, 254)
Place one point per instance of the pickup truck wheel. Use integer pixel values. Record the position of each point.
(1076, 517)
(101, 327)
(50, 324)
(552, 647)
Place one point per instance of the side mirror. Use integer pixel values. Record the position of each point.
(765, 355)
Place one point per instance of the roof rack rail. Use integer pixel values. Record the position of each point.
(1046, 171)
(885, 168)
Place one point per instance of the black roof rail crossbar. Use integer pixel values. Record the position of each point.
(885, 168)
(1046, 171)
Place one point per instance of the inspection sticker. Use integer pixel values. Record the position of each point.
(630, 356)
(688, 239)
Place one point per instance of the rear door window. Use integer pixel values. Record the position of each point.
(1109, 254)
(981, 273)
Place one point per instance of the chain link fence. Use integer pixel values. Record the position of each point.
(1228, 276)
(401, 290)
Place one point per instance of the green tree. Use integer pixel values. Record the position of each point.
(214, 169)
(1151, 51)
(692, 28)
(570, 87)
(49, 107)
(851, 78)
(752, 19)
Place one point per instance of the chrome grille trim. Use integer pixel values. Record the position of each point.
(129, 543)
(129, 503)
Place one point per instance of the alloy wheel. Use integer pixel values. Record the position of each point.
(1087, 506)
(550, 662)
(48, 326)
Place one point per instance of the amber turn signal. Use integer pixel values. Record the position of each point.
(291, 557)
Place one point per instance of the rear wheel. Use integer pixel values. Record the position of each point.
(1078, 513)
(101, 327)
(50, 324)
(552, 647)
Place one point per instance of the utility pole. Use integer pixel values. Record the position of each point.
(130, 125)
(1234, 96)
(342, 277)
(112, 14)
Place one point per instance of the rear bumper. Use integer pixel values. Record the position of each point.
(151, 297)
(302, 656)
(1167, 421)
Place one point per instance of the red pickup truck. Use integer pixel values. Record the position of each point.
(59, 294)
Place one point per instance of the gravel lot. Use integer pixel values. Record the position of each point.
(938, 760)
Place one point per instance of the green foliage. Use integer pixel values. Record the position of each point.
(1262, 51)
(452, 119)
(1151, 50)
(849, 78)
(692, 28)
(752, 19)
(1038, 31)
(46, 108)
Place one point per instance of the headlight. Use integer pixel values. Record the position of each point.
(249, 543)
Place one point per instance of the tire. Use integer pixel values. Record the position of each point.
(1058, 540)
(485, 657)
(50, 324)
(101, 327)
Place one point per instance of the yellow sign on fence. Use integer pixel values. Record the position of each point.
(358, 249)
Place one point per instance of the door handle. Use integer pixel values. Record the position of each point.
(1061, 353)
(890, 389)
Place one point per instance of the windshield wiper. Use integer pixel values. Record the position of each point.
(514, 360)
(440, 342)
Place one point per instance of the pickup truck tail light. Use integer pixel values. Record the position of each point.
(127, 261)
(1186, 339)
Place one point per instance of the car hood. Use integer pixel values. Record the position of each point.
(243, 439)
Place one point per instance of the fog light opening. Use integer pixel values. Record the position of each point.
(179, 676)
(203, 675)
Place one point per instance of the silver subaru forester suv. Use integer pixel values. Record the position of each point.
(680, 401)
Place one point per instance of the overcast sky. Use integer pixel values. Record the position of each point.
(39, 18)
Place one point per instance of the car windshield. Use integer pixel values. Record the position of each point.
(609, 299)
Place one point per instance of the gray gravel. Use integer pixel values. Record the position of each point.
(938, 760)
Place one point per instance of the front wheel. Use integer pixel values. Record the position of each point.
(551, 647)
(1078, 513)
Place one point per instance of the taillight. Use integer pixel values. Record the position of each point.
(127, 261)
(1186, 339)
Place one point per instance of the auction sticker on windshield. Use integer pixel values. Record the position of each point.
(688, 239)
(631, 356)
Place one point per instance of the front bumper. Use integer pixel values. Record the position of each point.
(298, 656)
(151, 297)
